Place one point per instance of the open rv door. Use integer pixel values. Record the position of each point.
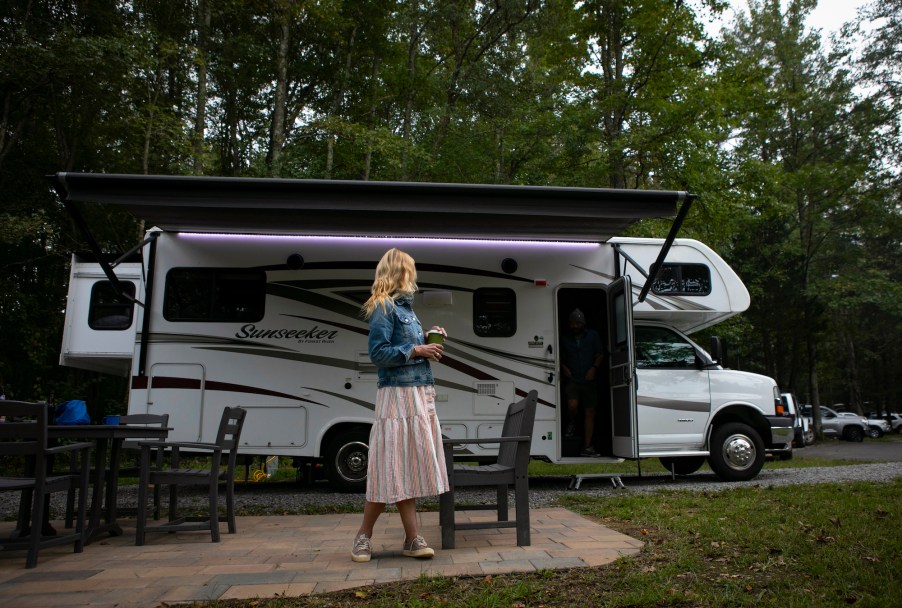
(622, 369)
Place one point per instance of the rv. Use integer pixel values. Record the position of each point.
(247, 292)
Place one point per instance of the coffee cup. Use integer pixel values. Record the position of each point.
(434, 336)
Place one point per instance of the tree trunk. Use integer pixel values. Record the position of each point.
(200, 116)
(336, 101)
(412, 43)
(277, 130)
(374, 92)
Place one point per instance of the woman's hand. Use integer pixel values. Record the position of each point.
(433, 352)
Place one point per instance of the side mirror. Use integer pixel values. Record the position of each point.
(718, 350)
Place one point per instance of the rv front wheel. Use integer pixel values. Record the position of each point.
(346, 460)
(737, 452)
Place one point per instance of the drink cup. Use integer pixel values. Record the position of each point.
(433, 336)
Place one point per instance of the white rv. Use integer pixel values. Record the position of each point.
(247, 293)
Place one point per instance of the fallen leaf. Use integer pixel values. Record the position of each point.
(360, 594)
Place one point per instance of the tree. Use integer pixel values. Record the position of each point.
(806, 148)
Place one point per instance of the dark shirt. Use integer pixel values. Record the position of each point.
(580, 352)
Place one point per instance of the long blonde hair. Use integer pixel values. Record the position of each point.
(396, 275)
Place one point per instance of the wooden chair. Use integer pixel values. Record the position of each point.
(23, 436)
(510, 469)
(223, 450)
(157, 420)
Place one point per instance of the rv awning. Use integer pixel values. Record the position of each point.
(328, 207)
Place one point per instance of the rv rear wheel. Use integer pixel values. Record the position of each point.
(346, 459)
(683, 465)
(737, 452)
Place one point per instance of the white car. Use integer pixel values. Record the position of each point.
(877, 427)
(803, 435)
(895, 420)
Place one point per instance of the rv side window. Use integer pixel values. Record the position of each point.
(683, 280)
(494, 312)
(229, 295)
(660, 348)
(107, 311)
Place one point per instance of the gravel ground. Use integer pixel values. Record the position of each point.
(288, 497)
(545, 490)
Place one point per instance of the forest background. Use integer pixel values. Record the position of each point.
(791, 140)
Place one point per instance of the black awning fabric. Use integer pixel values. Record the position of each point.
(365, 208)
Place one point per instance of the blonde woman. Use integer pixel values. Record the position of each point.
(406, 460)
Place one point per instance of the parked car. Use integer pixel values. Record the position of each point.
(895, 420)
(800, 423)
(850, 428)
(877, 426)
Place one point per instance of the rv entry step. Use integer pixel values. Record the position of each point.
(577, 480)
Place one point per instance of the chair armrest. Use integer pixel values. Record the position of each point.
(69, 447)
(513, 438)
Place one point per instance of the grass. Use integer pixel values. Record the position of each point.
(808, 545)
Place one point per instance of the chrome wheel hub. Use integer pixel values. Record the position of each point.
(739, 451)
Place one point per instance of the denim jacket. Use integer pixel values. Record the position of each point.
(393, 335)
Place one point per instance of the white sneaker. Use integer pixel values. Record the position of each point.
(361, 551)
(417, 547)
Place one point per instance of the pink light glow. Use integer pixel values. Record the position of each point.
(390, 241)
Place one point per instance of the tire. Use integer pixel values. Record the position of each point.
(346, 459)
(737, 452)
(682, 465)
(853, 433)
(875, 432)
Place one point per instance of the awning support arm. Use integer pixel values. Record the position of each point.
(665, 249)
(85, 231)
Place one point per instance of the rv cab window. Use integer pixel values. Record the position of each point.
(224, 295)
(107, 311)
(494, 312)
(661, 348)
(683, 280)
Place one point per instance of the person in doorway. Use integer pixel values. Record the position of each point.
(406, 459)
(583, 354)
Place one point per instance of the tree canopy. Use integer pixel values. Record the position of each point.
(791, 139)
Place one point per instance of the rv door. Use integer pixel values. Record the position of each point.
(622, 369)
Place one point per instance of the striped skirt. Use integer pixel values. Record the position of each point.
(406, 457)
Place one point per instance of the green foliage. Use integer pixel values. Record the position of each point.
(796, 166)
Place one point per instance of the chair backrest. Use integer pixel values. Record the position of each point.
(155, 420)
(24, 432)
(160, 420)
(230, 426)
(520, 418)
